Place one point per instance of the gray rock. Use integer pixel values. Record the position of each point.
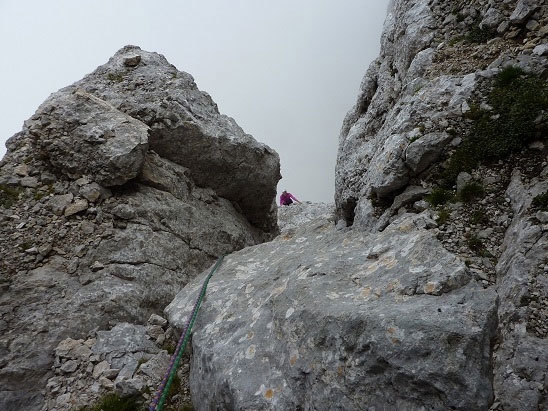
(463, 179)
(492, 18)
(130, 337)
(92, 192)
(100, 368)
(47, 178)
(132, 61)
(155, 319)
(130, 387)
(521, 360)
(124, 211)
(541, 49)
(291, 217)
(76, 207)
(69, 366)
(423, 152)
(73, 349)
(103, 142)
(31, 182)
(187, 128)
(323, 319)
(22, 170)
(524, 9)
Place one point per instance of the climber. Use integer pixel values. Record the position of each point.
(287, 199)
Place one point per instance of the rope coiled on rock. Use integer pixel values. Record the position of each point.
(161, 395)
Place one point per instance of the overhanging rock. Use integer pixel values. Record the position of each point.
(187, 128)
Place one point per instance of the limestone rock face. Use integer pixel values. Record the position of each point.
(324, 319)
(413, 110)
(523, 313)
(413, 96)
(291, 217)
(218, 153)
(98, 226)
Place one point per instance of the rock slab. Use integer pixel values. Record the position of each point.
(324, 319)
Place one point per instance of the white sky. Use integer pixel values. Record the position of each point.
(287, 71)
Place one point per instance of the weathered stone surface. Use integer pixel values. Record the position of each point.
(410, 94)
(524, 9)
(413, 97)
(212, 146)
(103, 142)
(76, 207)
(492, 18)
(523, 289)
(123, 359)
(59, 203)
(77, 256)
(291, 217)
(323, 319)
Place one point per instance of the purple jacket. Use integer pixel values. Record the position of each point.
(286, 198)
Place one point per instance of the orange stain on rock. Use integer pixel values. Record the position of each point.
(269, 394)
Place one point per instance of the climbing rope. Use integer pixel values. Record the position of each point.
(161, 395)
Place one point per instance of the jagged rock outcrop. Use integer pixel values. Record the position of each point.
(402, 304)
(324, 319)
(416, 104)
(108, 210)
(127, 358)
(142, 97)
(413, 97)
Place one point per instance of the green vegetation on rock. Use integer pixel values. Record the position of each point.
(9, 195)
(113, 402)
(439, 196)
(517, 99)
(541, 201)
(471, 192)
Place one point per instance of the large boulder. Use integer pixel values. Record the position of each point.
(324, 319)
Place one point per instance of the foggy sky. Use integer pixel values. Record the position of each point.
(286, 71)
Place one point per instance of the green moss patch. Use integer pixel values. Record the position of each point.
(113, 402)
(439, 196)
(9, 195)
(517, 99)
(540, 202)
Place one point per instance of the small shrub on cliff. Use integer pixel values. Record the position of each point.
(115, 77)
(541, 201)
(471, 191)
(439, 196)
(479, 217)
(113, 402)
(476, 245)
(9, 195)
(517, 99)
(480, 35)
(443, 216)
